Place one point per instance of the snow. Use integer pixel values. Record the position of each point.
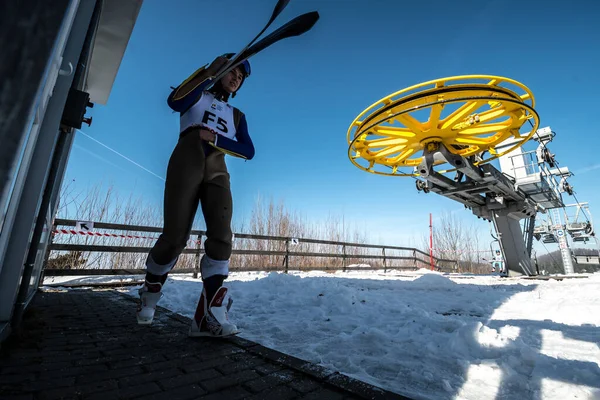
(422, 334)
(82, 280)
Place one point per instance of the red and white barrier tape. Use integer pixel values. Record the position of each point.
(85, 233)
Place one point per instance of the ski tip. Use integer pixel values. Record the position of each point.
(301, 24)
(281, 4)
(309, 19)
(316, 15)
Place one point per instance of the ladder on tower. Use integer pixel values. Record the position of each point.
(559, 233)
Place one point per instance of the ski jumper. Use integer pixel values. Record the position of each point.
(197, 175)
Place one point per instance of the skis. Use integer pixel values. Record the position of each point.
(279, 7)
(295, 27)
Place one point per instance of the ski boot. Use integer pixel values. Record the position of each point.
(211, 319)
(150, 294)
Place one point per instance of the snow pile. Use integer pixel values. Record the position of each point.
(424, 334)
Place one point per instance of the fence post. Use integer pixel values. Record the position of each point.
(415, 258)
(384, 264)
(344, 257)
(287, 255)
(198, 258)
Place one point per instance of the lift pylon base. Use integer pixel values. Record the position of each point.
(514, 248)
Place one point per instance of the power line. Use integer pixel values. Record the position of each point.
(121, 155)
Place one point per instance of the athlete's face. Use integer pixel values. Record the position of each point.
(232, 81)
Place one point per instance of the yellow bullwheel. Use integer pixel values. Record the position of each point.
(467, 115)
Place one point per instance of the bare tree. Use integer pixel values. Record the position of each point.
(267, 217)
(455, 239)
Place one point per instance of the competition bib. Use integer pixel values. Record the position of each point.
(212, 114)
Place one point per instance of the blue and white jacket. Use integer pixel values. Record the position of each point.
(199, 107)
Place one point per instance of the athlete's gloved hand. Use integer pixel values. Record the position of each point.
(207, 135)
(217, 64)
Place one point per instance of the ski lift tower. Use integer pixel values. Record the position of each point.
(445, 133)
(537, 174)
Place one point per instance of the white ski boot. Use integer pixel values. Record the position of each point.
(211, 319)
(147, 304)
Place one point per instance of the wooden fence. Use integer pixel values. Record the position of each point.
(347, 253)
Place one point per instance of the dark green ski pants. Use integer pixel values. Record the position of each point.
(193, 179)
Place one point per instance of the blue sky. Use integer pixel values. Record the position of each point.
(305, 91)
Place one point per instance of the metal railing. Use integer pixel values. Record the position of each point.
(417, 258)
